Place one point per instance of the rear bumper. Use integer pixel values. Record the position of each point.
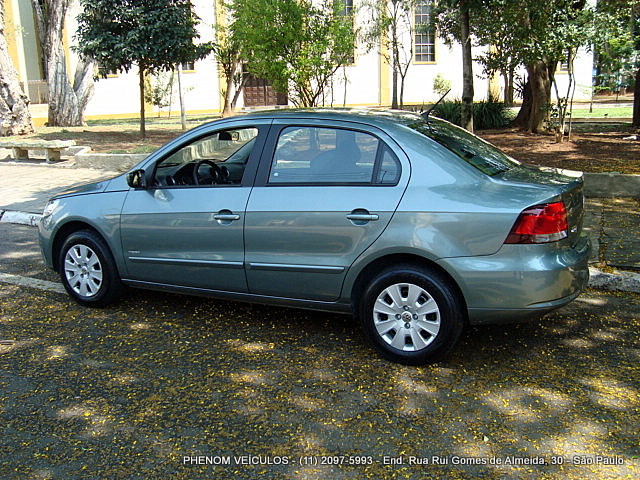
(521, 280)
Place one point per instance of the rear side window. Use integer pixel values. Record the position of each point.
(473, 150)
(321, 155)
(389, 170)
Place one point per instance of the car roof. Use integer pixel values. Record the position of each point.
(382, 118)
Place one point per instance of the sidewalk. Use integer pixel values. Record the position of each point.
(613, 224)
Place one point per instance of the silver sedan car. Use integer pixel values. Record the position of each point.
(409, 223)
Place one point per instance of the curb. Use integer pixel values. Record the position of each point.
(21, 218)
(618, 282)
(607, 185)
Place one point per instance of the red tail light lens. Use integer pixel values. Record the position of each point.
(540, 224)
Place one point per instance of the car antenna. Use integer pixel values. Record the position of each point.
(425, 115)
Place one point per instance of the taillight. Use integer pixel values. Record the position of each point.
(540, 224)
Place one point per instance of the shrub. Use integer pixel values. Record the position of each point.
(441, 85)
(486, 113)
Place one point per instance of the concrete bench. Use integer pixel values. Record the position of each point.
(51, 147)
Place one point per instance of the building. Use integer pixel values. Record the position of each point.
(366, 82)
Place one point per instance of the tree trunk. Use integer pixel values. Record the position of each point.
(226, 110)
(66, 102)
(537, 97)
(636, 101)
(183, 113)
(236, 95)
(466, 110)
(508, 87)
(15, 118)
(394, 83)
(395, 61)
(143, 130)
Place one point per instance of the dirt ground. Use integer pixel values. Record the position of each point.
(596, 148)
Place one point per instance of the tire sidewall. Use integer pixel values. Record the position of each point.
(110, 287)
(437, 286)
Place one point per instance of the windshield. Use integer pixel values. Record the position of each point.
(473, 150)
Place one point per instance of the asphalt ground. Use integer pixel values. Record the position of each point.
(167, 386)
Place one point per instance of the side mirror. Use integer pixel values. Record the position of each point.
(137, 180)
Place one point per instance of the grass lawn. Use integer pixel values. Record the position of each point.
(603, 112)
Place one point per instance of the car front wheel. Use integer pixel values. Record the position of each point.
(411, 315)
(87, 269)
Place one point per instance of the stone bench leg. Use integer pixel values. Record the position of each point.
(53, 155)
(20, 153)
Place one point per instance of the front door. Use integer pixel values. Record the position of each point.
(186, 228)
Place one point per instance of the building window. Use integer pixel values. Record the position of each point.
(425, 32)
(188, 67)
(566, 58)
(345, 8)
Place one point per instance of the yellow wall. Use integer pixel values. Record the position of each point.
(385, 73)
(11, 34)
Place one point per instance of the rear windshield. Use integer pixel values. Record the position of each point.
(473, 150)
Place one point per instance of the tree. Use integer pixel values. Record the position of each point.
(392, 27)
(542, 33)
(67, 102)
(466, 110)
(635, 29)
(154, 35)
(15, 118)
(227, 51)
(159, 90)
(500, 55)
(294, 44)
(454, 20)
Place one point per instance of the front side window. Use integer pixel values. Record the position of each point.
(216, 159)
(425, 32)
(315, 155)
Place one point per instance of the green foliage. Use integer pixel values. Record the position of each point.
(295, 44)
(617, 47)
(487, 114)
(448, 110)
(441, 85)
(154, 34)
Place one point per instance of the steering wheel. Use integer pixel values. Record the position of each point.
(218, 174)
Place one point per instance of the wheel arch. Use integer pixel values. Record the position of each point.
(67, 229)
(380, 263)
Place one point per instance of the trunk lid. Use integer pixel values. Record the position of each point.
(567, 185)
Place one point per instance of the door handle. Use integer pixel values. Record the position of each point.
(228, 217)
(225, 217)
(363, 217)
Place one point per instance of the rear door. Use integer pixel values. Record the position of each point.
(325, 192)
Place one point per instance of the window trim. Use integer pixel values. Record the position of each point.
(262, 178)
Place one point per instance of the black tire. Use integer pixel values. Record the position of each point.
(92, 281)
(404, 323)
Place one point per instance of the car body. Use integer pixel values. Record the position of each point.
(408, 222)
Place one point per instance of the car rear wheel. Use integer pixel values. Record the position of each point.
(88, 271)
(411, 315)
